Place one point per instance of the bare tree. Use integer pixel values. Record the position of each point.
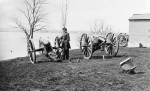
(65, 4)
(33, 13)
(100, 28)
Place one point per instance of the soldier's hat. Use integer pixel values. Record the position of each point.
(64, 28)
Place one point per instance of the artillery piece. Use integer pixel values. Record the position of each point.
(109, 44)
(52, 53)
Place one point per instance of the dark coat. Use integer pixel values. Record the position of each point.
(65, 40)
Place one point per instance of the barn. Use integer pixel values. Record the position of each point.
(139, 30)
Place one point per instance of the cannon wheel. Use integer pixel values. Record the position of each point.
(112, 48)
(58, 51)
(31, 51)
(86, 46)
(123, 40)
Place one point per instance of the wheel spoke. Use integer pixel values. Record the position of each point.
(31, 51)
(84, 49)
(112, 49)
(86, 46)
(90, 50)
(86, 52)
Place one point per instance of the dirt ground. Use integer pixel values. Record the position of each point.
(96, 74)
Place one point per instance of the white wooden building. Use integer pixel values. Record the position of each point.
(139, 30)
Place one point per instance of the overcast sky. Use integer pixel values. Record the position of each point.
(82, 13)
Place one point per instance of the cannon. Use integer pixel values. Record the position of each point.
(45, 48)
(109, 44)
(123, 39)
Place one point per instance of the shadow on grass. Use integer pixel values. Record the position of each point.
(119, 56)
(46, 61)
(74, 58)
(50, 61)
(140, 72)
(97, 57)
(131, 72)
(106, 57)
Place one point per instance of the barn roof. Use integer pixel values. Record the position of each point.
(140, 17)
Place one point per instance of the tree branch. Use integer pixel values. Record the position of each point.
(41, 28)
(20, 26)
(34, 16)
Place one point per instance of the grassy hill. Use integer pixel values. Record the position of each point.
(96, 74)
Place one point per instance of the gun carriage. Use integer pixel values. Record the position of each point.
(89, 45)
(45, 48)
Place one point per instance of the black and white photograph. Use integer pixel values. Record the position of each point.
(74, 45)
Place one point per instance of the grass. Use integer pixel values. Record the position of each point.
(95, 74)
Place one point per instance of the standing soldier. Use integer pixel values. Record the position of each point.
(65, 38)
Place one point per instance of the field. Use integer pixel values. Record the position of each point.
(96, 74)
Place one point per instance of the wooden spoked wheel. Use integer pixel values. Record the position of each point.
(86, 46)
(123, 40)
(112, 45)
(58, 49)
(31, 51)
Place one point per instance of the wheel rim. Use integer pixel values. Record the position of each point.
(112, 49)
(31, 52)
(122, 40)
(82, 41)
(86, 46)
(109, 50)
(115, 46)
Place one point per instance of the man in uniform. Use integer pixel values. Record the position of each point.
(65, 38)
